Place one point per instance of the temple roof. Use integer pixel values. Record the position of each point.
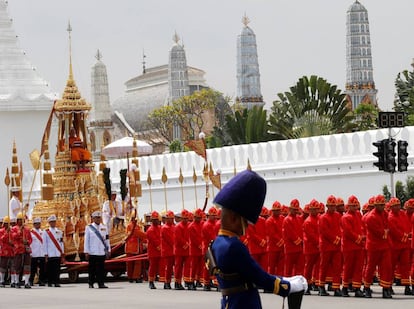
(357, 7)
(149, 91)
(21, 86)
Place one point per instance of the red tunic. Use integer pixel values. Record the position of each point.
(257, 237)
(6, 249)
(310, 235)
(274, 233)
(208, 233)
(330, 231)
(18, 236)
(181, 240)
(135, 240)
(292, 233)
(195, 239)
(167, 240)
(352, 231)
(377, 226)
(400, 228)
(154, 241)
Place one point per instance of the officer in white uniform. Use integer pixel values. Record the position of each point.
(38, 253)
(96, 248)
(15, 206)
(54, 251)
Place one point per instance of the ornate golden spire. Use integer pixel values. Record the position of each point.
(71, 97)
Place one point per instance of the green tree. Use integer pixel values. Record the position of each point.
(402, 191)
(187, 112)
(365, 116)
(311, 107)
(404, 97)
(247, 126)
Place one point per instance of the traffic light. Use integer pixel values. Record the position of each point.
(379, 154)
(402, 156)
(389, 155)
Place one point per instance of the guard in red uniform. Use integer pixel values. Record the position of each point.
(154, 248)
(330, 248)
(293, 238)
(135, 239)
(311, 245)
(208, 234)
(167, 250)
(6, 250)
(181, 251)
(275, 241)
(196, 250)
(257, 239)
(21, 237)
(400, 229)
(378, 249)
(353, 242)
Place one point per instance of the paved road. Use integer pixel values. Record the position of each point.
(122, 294)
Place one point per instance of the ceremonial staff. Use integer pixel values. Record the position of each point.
(195, 186)
(149, 182)
(7, 183)
(164, 179)
(181, 179)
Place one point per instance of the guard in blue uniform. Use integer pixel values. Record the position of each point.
(238, 274)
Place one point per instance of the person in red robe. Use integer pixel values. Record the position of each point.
(6, 250)
(21, 237)
(353, 242)
(134, 243)
(167, 250)
(330, 248)
(275, 241)
(257, 239)
(293, 239)
(378, 249)
(311, 245)
(196, 250)
(154, 248)
(208, 234)
(181, 252)
(79, 154)
(400, 230)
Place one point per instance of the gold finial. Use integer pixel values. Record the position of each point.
(181, 177)
(7, 178)
(69, 30)
(249, 167)
(176, 38)
(164, 177)
(245, 20)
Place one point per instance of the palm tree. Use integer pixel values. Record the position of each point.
(312, 107)
(247, 126)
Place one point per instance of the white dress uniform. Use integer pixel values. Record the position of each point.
(53, 255)
(93, 244)
(107, 215)
(96, 249)
(15, 206)
(37, 247)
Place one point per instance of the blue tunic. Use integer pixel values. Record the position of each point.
(232, 257)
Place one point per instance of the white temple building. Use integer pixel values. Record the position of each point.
(360, 85)
(26, 99)
(248, 75)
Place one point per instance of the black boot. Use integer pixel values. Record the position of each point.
(207, 287)
(322, 291)
(345, 292)
(337, 292)
(295, 300)
(368, 292)
(152, 285)
(386, 293)
(191, 286)
(167, 286)
(178, 286)
(359, 293)
(308, 290)
(407, 290)
(391, 290)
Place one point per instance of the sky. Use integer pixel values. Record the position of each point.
(294, 38)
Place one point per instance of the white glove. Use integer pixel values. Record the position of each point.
(297, 283)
